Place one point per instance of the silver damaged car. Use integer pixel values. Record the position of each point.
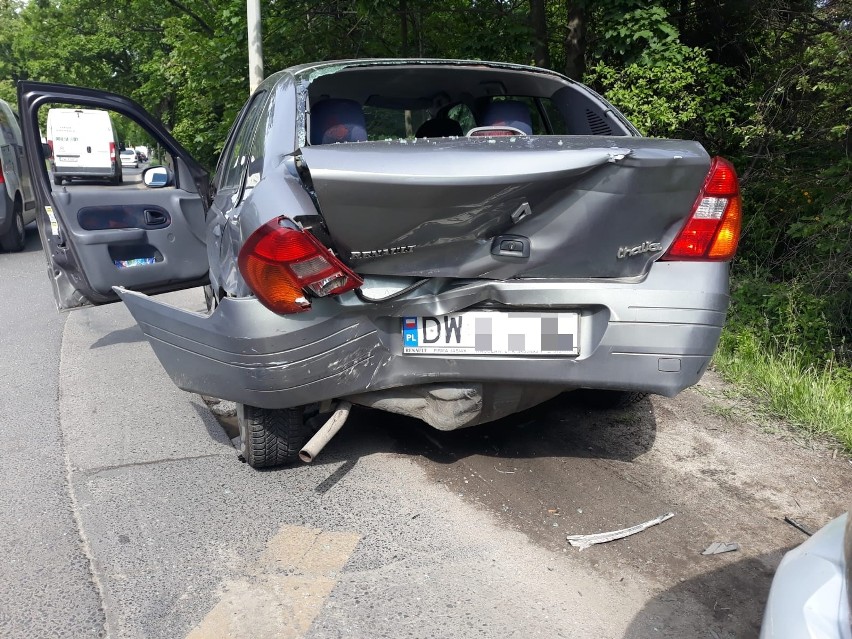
(450, 240)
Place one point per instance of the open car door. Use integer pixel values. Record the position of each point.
(100, 225)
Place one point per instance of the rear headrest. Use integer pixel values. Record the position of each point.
(337, 120)
(508, 113)
(439, 128)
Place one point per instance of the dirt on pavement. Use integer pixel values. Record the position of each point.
(727, 474)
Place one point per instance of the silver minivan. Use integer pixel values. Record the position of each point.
(17, 200)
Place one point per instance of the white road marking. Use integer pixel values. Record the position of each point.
(281, 598)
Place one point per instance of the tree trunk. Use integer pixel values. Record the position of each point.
(538, 19)
(403, 27)
(403, 36)
(575, 40)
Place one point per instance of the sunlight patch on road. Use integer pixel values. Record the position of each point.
(283, 595)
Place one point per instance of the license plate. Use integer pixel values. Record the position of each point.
(492, 333)
(68, 158)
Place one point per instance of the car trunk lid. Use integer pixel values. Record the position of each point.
(576, 206)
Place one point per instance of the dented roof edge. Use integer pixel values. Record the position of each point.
(311, 71)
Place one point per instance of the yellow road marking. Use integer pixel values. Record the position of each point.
(294, 575)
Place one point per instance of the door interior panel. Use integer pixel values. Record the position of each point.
(142, 239)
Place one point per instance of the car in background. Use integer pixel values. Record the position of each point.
(17, 200)
(129, 159)
(811, 593)
(82, 143)
(449, 240)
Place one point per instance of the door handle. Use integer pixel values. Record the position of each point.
(155, 218)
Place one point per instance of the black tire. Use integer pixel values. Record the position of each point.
(595, 398)
(16, 237)
(57, 180)
(272, 437)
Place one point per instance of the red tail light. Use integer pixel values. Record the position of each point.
(713, 229)
(2, 179)
(111, 151)
(281, 263)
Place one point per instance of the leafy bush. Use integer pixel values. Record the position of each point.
(677, 93)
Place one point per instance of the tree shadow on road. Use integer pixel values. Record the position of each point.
(725, 603)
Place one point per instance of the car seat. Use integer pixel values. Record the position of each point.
(440, 127)
(337, 120)
(512, 113)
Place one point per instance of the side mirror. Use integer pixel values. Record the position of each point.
(156, 177)
(48, 152)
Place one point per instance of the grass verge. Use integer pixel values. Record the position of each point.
(817, 399)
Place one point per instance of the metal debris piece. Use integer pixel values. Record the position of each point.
(799, 525)
(718, 547)
(505, 472)
(584, 541)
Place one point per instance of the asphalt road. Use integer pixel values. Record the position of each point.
(46, 585)
(125, 512)
(131, 178)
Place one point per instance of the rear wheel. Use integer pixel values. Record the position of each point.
(57, 180)
(15, 238)
(272, 437)
(595, 398)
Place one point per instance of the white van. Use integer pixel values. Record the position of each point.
(17, 200)
(82, 143)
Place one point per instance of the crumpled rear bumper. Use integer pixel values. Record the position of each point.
(652, 336)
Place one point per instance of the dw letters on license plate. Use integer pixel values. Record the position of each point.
(492, 333)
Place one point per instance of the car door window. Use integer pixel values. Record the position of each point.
(240, 152)
(256, 150)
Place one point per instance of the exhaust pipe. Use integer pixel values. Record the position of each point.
(324, 434)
